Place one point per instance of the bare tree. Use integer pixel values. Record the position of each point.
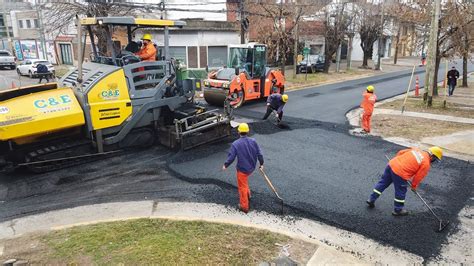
(405, 13)
(455, 22)
(60, 15)
(276, 23)
(369, 28)
(463, 39)
(336, 24)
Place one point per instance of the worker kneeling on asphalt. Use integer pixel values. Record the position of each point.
(276, 102)
(368, 102)
(247, 152)
(409, 164)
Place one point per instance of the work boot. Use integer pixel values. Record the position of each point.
(371, 204)
(242, 209)
(400, 213)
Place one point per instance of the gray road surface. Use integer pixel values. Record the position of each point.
(321, 171)
(9, 76)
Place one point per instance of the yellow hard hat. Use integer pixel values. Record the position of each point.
(284, 98)
(370, 88)
(437, 152)
(243, 128)
(147, 36)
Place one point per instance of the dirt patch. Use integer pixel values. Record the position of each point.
(414, 128)
(416, 104)
(156, 241)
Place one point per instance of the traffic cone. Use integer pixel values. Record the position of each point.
(417, 87)
(13, 85)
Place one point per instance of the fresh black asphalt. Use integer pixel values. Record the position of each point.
(321, 171)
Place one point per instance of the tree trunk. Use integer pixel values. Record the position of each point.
(327, 56)
(365, 60)
(395, 58)
(464, 62)
(327, 63)
(435, 78)
(282, 58)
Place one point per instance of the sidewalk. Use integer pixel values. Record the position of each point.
(451, 128)
(334, 246)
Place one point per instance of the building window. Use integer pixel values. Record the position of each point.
(20, 22)
(28, 24)
(36, 23)
(217, 56)
(202, 56)
(192, 57)
(178, 53)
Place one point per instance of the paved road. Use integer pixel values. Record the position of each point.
(321, 171)
(9, 76)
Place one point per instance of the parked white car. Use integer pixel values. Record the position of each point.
(7, 59)
(28, 67)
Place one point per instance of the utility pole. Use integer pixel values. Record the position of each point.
(431, 60)
(380, 52)
(163, 10)
(242, 18)
(295, 53)
(7, 28)
(41, 29)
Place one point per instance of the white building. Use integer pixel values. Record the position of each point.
(202, 42)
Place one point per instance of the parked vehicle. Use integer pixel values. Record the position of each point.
(7, 59)
(28, 67)
(311, 64)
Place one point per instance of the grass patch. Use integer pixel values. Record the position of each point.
(414, 128)
(61, 70)
(416, 104)
(319, 77)
(159, 241)
(310, 79)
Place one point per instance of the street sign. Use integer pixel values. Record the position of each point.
(306, 50)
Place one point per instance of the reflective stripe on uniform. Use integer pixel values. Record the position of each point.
(399, 201)
(378, 192)
(418, 156)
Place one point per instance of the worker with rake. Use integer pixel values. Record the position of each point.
(409, 164)
(247, 152)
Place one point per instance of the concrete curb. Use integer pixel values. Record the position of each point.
(335, 246)
(353, 118)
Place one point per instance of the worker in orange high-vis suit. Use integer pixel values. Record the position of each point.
(409, 164)
(368, 102)
(247, 152)
(148, 50)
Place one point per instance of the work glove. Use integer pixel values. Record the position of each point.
(261, 167)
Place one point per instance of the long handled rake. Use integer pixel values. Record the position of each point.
(442, 224)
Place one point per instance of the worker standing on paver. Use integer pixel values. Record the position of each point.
(247, 152)
(276, 102)
(409, 164)
(368, 102)
(452, 76)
